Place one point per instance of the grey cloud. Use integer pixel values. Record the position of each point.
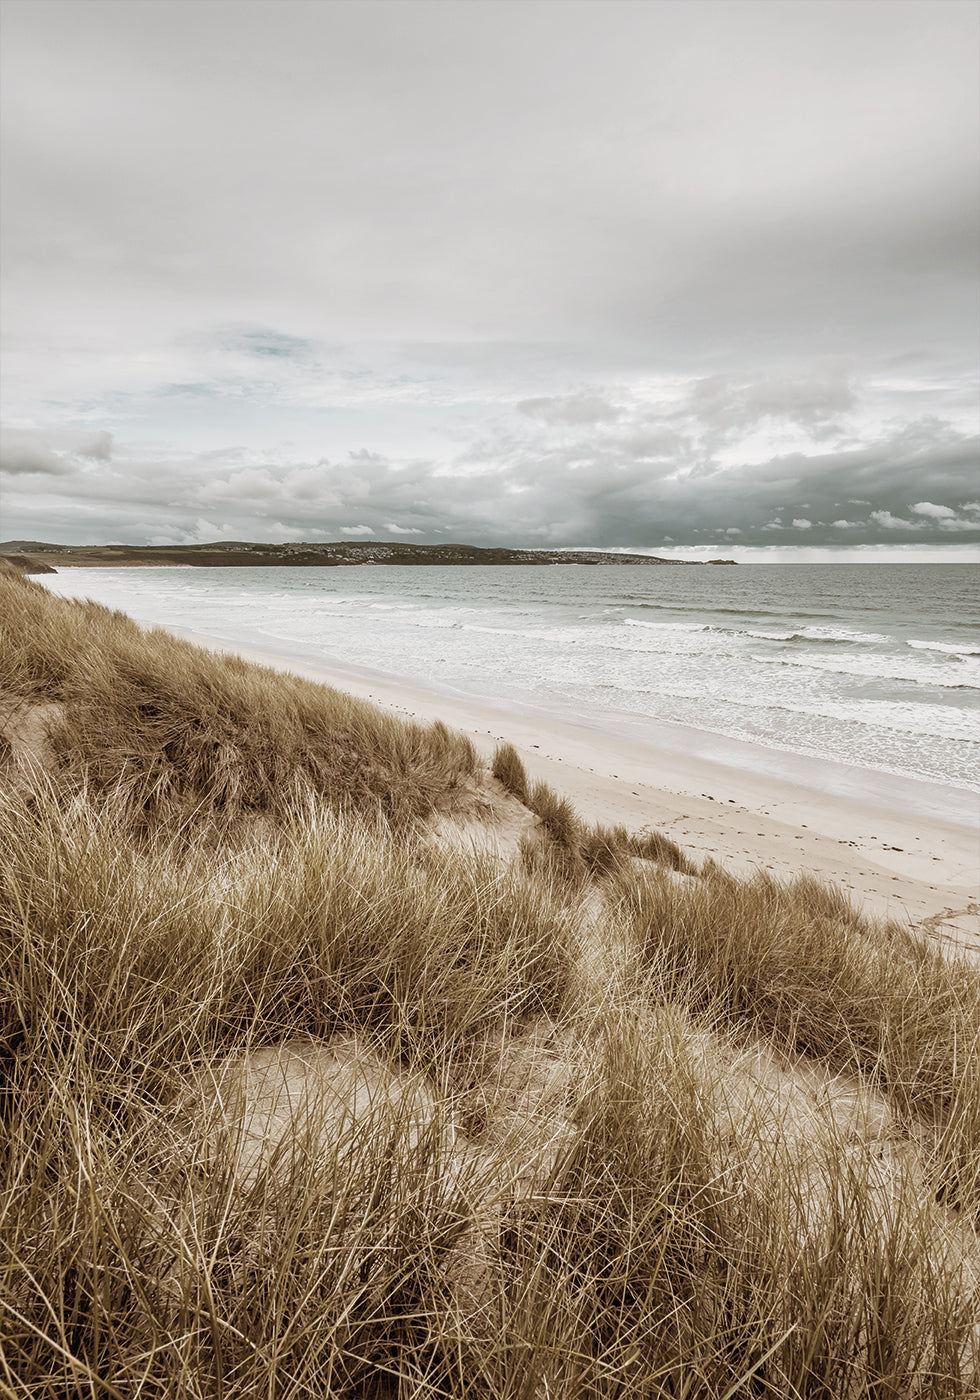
(602, 496)
(98, 447)
(572, 408)
(24, 454)
(731, 403)
(56, 452)
(632, 483)
(267, 343)
(664, 444)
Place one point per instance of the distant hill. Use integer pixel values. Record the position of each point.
(26, 563)
(241, 554)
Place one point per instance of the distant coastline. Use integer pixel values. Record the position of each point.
(33, 556)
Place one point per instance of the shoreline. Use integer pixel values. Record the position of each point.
(910, 866)
(870, 787)
(835, 736)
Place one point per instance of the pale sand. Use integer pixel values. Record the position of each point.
(893, 861)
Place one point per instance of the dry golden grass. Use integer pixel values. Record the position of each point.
(181, 732)
(297, 1102)
(593, 850)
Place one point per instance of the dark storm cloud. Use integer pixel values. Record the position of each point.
(557, 272)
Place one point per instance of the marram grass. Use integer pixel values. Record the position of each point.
(295, 1102)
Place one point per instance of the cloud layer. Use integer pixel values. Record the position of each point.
(644, 276)
(619, 471)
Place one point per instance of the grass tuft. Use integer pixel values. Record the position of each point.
(509, 770)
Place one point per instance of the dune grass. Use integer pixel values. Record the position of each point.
(182, 732)
(607, 1133)
(794, 963)
(594, 850)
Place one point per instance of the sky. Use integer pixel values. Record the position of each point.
(693, 277)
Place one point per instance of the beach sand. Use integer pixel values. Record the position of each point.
(895, 861)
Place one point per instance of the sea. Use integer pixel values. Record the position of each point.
(870, 667)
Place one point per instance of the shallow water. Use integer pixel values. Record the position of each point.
(876, 665)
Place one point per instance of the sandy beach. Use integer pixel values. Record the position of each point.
(890, 851)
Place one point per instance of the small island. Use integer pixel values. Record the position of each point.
(33, 556)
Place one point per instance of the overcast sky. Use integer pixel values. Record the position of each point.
(692, 276)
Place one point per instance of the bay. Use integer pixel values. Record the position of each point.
(874, 665)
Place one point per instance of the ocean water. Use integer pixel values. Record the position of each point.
(873, 665)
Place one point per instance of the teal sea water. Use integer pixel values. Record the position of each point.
(874, 665)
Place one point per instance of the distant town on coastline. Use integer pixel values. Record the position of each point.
(242, 554)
